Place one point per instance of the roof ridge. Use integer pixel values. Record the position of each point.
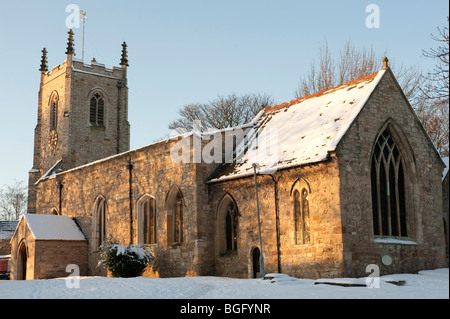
(292, 102)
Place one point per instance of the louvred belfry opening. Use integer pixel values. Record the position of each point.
(97, 109)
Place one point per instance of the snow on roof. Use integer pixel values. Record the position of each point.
(302, 131)
(53, 227)
(49, 172)
(53, 173)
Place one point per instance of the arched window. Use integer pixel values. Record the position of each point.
(226, 226)
(99, 222)
(147, 220)
(301, 217)
(388, 187)
(174, 206)
(54, 111)
(178, 219)
(231, 227)
(96, 110)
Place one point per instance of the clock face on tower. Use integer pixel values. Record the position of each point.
(52, 139)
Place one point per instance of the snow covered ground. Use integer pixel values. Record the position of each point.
(426, 284)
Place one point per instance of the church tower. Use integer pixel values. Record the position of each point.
(82, 115)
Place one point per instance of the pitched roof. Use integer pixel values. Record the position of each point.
(302, 131)
(7, 227)
(52, 227)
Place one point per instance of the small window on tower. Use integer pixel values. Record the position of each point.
(54, 111)
(96, 110)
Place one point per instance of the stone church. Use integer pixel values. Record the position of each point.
(350, 178)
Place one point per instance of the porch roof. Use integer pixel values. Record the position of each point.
(52, 227)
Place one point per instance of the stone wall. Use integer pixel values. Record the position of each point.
(22, 236)
(153, 173)
(57, 82)
(78, 141)
(53, 256)
(87, 142)
(387, 106)
(322, 257)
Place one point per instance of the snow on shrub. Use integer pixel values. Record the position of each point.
(124, 261)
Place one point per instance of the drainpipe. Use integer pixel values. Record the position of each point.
(130, 180)
(277, 221)
(261, 256)
(59, 184)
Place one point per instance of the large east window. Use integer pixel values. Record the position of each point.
(388, 187)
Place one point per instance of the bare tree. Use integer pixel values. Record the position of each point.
(13, 201)
(434, 116)
(354, 63)
(351, 64)
(222, 112)
(440, 73)
(434, 113)
(320, 78)
(427, 100)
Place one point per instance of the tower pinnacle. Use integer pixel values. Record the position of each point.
(124, 59)
(70, 45)
(44, 67)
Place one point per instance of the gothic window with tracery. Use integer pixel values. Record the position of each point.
(301, 217)
(175, 207)
(147, 220)
(96, 110)
(231, 227)
(99, 222)
(178, 220)
(388, 188)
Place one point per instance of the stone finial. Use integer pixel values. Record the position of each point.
(385, 63)
(124, 59)
(44, 67)
(70, 45)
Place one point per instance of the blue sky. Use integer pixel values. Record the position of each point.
(191, 51)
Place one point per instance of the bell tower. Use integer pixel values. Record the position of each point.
(82, 115)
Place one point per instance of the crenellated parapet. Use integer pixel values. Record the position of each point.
(97, 68)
